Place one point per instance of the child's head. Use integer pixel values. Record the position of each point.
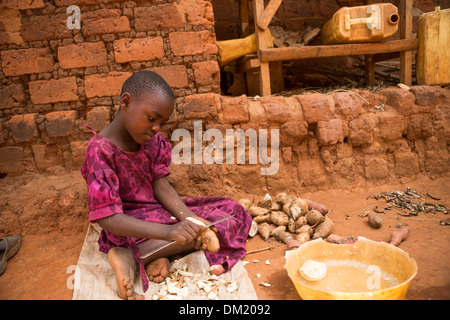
(147, 101)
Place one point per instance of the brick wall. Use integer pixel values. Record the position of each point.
(53, 78)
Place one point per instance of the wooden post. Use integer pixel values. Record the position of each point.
(261, 43)
(269, 12)
(243, 12)
(369, 69)
(406, 33)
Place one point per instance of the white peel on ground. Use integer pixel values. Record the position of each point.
(313, 270)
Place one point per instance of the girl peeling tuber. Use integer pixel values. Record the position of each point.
(129, 196)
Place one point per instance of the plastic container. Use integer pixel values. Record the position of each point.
(230, 50)
(433, 53)
(388, 258)
(370, 23)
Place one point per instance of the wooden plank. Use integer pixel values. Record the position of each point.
(243, 12)
(298, 53)
(247, 65)
(261, 44)
(369, 69)
(269, 12)
(405, 12)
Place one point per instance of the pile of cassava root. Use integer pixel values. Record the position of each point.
(289, 219)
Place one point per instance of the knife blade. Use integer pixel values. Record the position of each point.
(172, 242)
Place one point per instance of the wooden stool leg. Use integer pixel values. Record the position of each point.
(261, 43)
(369, 68)
(406, 33)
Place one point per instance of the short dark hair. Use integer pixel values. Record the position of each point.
(146, 81)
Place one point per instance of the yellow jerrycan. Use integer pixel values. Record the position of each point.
(230, 50)
(433, 53)
(371, 23)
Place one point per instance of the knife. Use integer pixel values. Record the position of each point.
(172, 242)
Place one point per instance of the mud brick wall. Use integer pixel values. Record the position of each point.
(337, 140)
(54, 78)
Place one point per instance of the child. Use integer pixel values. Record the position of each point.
(125, 169)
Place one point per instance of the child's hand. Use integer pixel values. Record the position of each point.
(184, 231)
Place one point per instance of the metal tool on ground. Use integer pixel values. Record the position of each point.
(172, 242)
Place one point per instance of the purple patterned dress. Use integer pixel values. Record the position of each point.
(122, 182)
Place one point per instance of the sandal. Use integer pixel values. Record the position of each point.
(9, 246)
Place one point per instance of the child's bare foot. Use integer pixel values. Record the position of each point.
(158, 270)
(217, 269)
(125, 266)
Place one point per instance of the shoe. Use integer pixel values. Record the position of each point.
(9, 246)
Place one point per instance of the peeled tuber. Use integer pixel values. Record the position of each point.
(209, 237)
(313, 270)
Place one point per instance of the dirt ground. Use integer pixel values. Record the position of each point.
(43, 268)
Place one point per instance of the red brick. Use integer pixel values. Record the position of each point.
(10, 160)
(199, 12)
(391, 126)
(402, 100)
(376, 168)
(406, 164)
(427, 95)
(192, 43)
(361, 129)
(26, 61)
(11, 28)
(78, 149)
(66, 3)
(22, 4)
(175, 75)
(104, 21)
(293, 132)
(140, 49)
(81, 55)
(276, 109)
(206, 73)
(201, 106)
(331, 132)
(60, 123)
(105, 84)
(51, 91)
(11, 96)
(47, 155)
(98, 118)
(23, 127)
(316, 107)
(48, 27)
(159, 17)
(349, 104)
(233, 109)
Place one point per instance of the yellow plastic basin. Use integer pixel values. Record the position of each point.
(380, 257)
